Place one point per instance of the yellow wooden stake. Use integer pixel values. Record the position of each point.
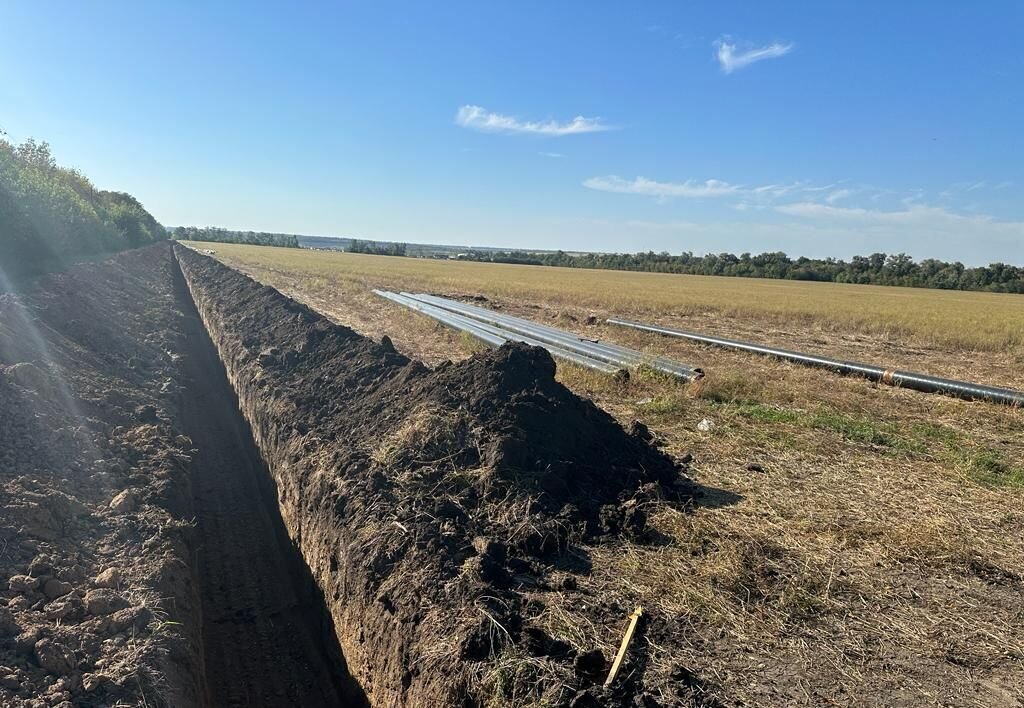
(624, 647)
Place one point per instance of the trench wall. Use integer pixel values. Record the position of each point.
(377, 642)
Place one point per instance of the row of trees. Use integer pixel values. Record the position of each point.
(219, 235)
(51, 216)
(377, 248)
(876, 269)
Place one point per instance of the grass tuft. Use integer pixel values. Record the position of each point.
(990, 469)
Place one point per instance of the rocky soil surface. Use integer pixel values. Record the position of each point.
(143, 560)
(97, 597)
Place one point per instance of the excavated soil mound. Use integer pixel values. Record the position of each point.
(437, 509)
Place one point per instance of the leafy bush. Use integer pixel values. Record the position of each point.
(51, 216)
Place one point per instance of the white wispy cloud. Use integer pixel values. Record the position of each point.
(770, 192)
(652, 188)
(479, 118)
(802, 191)
(820, 211)
(922, 231)
(730, 58)
(838, 195)
(860, 213)
(912, 215)
(753, 196)
(551, 154)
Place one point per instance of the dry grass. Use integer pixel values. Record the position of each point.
(875, 561)
(428, 435)
(877, 558)
(987, 321)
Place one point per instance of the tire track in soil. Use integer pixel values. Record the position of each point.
(267, 635)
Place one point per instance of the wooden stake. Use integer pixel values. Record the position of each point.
(624, 647)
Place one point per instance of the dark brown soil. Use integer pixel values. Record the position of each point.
(436, 508)
(267, 638)
(156, 550)
(97, 601)
(142, 558)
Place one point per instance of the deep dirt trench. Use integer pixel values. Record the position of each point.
(438, 509)
(268, 638)
(212, 496)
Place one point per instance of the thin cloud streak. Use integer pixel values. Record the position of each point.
(917, 215)
(479, 118)
(696, 189)
(754, 196)
(730, 59)
(927, 233)
(818, 209)
(838, 195)
(652, 188)
(814, 210)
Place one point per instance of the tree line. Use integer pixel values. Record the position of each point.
(51, 216)
(876, 269)
(219, 235)
(376, 248)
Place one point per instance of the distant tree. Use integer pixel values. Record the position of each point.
(221, 235)
(377, 248)
(877, 269)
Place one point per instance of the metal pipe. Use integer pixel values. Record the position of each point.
(891, 377)
(451, 321)
(604, 351)
(555, 337)
(515, 324)
(491, 336)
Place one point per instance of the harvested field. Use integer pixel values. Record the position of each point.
(924, 318)
(872, 548)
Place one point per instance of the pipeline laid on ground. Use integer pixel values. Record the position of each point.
(492, 336)
(603, 351)
(494, 328)
(891, 377)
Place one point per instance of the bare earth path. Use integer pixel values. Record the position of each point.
(268, 638)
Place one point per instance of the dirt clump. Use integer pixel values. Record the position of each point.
(438, 510)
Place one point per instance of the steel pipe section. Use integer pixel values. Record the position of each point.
(492, 336)
(891, 377)
(515, 324)
(611, 353)
(485, 317)
(444, 318)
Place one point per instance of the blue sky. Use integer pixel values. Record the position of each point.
(815, 128)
